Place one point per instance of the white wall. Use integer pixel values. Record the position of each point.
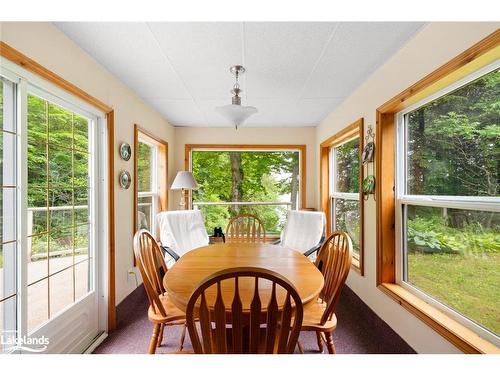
(433, 46)
(51, 48)
(274, 136)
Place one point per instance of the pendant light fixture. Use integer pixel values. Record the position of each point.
(235, 112)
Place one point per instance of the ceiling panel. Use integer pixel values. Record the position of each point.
(130, 52)
(202, 53)
(179, 112)
(356, 50)
(281, 55)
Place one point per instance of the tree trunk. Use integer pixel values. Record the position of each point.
(418, 172)
(295, 186)
(237, 181)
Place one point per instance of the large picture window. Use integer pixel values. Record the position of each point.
(448, 200)
(265, 181)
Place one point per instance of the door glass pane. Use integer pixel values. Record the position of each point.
(38, 304)
(453, 255)
(59, 183)
(82, 280)
(347, 219)
(347, 167)
(452, 146)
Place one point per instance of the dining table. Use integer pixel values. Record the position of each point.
(195, 266)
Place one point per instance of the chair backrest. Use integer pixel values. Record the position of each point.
(334, 262)
(183, 230)
(303, 230)
(253, 328)
(151, 264)
(245, 228)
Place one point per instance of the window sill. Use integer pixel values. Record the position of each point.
(462, 337)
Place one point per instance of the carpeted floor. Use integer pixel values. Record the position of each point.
(359, 330)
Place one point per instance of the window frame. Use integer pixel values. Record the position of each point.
(476, 203)
(327, 180)
(481, 54)
(159, 176)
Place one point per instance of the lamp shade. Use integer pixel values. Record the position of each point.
(184, 180)
(235, 113)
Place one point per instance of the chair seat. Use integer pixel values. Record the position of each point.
(174, 315)
(312, 318)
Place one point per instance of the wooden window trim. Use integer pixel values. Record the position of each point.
(162, 145)
(356, 128)
(24, 61)
(303, 158)
(481, 54)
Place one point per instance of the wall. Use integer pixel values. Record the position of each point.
(283, 136)
(433, 46)
(44, 43)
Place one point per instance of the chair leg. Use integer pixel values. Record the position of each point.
(183, 337)
(160, 335)
(329, 343)
(154, 339)
(319, 339)
(301, 348)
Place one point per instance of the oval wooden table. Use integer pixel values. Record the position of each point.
(193, 267)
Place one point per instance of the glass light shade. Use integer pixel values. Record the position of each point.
(235, 113)
(184, 180)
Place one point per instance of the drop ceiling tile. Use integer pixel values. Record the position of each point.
(178, 112)
(201, 53)
(356, 50)
(130, 52)
(281, 55)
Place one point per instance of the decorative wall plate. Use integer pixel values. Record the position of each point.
(369, 184)
(368, 152)
(125, 180)
(125, 151)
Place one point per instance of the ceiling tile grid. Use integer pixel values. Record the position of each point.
(297, 72)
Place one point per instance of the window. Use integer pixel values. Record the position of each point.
(266, 181)
(151, 179)
(437, 198)
(448, 199)
(341, 169)
(345, 191)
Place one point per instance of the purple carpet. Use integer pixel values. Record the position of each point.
(359, 330)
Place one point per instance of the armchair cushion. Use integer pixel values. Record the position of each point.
(181, 231)
(303, 230)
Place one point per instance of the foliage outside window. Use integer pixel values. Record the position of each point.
(345, 191)
(147, 197)
(448, 196)
(246, 176)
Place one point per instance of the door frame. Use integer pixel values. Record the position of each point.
(37, 73)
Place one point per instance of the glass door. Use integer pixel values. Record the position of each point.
(48, 259)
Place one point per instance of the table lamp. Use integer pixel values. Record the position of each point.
(184, 181)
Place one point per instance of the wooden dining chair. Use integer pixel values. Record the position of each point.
(334, 262)
(151, 264)
(233, 326)
(245, 228)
